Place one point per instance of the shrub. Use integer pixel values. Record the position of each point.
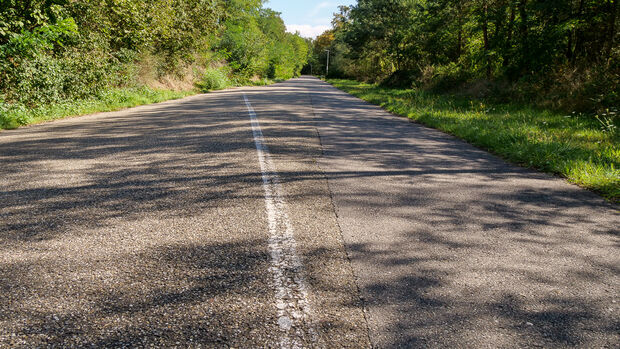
(447, 77)
(214, 79)
(37, 67)
(54, 53)
(401, 78)
(13, 115)
(47, 78)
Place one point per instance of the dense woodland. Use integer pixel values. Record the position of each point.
(57, 50)
(558, 53)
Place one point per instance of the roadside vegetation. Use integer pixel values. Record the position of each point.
(584, 149)
(112, 99)
(556, 54)
(536, 82)
(71, 57)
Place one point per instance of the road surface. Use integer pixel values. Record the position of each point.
(292, 215)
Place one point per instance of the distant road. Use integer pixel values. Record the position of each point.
(292, 215)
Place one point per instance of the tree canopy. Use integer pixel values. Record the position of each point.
(568, 46)
(52, 50)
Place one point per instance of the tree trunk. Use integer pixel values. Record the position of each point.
(508, 43)
(460, 44)
(485, 33)
(569, 47)
(459, 47)
(523, 31)
(577, 35)
(611, 34)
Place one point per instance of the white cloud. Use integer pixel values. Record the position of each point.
(319, 7)
(306, 30)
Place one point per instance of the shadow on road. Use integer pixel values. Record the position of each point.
(502, 255)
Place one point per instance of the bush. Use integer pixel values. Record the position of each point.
(36, 81)
(13, 115)
(271, 69)
(46, 65)
(584, 90)
(16, 114)
(214, 79)
(447, 78)
(57, 52)
(47, 78)
(401, 78)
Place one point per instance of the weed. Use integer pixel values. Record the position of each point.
(214, 79)
(15, 115)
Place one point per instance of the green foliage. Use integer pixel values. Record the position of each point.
(41, 77)
(258, 45)
(559, 50)
(19, 16)
(244, 44)
(584, 149)
(214, 79)
(15, 115)
(28, 70)
(444, 77)
(44, 38)
(54, 52)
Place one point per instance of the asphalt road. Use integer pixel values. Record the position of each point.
(292, 215)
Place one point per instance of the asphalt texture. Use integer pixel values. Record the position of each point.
(148, 228)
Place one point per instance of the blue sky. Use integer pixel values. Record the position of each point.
(310, 18)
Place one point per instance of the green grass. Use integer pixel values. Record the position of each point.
(13, 116)
(578, 147)
(221, 78)
(215, 79)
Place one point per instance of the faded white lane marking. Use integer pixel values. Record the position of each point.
(293, 308)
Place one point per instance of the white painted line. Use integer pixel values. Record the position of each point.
(293, 308)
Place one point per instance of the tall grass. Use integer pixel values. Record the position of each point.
(223, 77)
(15, 115)
(214, 79)
(585, 149)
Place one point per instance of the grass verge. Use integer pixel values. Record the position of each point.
(13, 116)
(582, 148)
(214, 79)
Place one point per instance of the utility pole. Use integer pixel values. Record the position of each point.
(327, 66)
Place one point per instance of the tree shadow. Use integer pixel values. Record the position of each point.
(474, 264)
(453, 246)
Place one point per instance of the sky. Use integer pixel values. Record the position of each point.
(309, 18)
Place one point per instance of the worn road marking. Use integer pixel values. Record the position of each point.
(293, 308)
